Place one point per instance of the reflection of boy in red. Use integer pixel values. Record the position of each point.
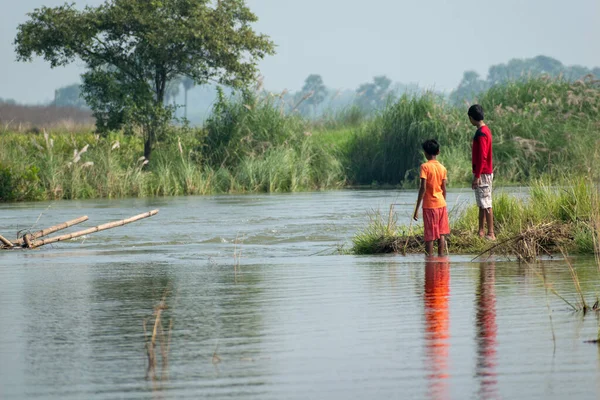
(486, 330)
(437, 292)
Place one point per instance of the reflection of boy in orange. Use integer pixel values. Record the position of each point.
(432, 194)
(486, 330)
(437, 291)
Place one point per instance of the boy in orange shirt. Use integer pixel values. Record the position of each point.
(433, 195)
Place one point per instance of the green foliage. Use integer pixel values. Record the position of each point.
(133, 48)
(544, 126)
(249, 125)
(541, 127)
(347, 117)
(378, 232)
(388, 148)
(20, 185)
(271, 153)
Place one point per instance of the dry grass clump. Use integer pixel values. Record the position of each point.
(535, 241)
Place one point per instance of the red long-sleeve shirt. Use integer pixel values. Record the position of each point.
(482, 152)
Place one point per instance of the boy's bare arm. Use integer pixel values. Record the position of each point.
(444, 188)
(420, 198)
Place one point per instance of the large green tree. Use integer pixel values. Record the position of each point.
(133, 48)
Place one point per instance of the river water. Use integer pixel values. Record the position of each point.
(263, 307)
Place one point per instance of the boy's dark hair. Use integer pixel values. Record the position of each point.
(431, 147)
(476, 112)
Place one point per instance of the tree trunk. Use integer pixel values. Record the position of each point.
(148, 144)
(155, 123)
(185, 109)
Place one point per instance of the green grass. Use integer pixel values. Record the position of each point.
(32, 168)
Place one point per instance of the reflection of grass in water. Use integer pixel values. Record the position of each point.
(164, 340)
(593, 237)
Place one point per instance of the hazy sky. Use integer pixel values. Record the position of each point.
(429, 42)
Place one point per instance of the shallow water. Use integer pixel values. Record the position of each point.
(293, 320)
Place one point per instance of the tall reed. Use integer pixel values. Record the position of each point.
(541, 127)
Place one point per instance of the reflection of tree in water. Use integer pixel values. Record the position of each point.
(214, 311)
(436, 297)
(208, 309)
(57, 328)
(486, 331)
(85, 329)
(121, 296)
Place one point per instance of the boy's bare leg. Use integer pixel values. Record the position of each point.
(489, 216)
(442, 246)
(481, 219)
(429, 248)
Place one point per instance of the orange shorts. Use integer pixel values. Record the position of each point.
(436, 223)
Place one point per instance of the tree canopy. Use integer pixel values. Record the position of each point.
(133, 48)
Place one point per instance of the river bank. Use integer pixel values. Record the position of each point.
(542, 129)
(549, 219)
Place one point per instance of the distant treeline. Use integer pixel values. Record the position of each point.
(316, 99)
(472, 85)
(23, 118)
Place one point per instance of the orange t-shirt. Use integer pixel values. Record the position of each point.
(434, 173)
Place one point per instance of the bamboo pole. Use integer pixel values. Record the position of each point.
(52, 229)
(6, 242)
(93, 230)
(27, 239)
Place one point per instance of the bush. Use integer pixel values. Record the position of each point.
(248, 126)
(388, 149)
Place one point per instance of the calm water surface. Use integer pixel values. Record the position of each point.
(292, 320)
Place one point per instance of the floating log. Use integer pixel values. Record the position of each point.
(52, 229)
(6, 242)
(98, 228)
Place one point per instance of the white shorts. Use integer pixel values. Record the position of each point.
(483, 194)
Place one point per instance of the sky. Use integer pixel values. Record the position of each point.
(347, 42)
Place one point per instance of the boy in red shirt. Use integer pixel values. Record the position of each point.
(483, 170)
(433, 195)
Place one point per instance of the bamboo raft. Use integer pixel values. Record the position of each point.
(32, 240)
